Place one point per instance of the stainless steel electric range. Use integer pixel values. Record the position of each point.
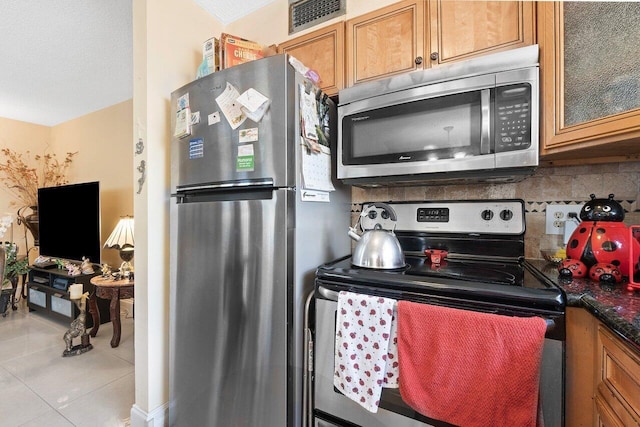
(482, 268)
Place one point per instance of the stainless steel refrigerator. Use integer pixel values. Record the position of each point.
(247, 232)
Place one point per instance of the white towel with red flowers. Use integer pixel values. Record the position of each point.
(366, 348)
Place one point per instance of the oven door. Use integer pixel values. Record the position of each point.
(333, 408)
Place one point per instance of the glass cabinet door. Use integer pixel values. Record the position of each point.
(601, 58)
(590, 70)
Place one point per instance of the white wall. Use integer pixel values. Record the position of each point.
(168, 37)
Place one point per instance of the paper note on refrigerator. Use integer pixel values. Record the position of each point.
(213, 118)
(183, 123)
(228, 103)
(246, 159)
(309, 114)
(315, 196)
(254, 104)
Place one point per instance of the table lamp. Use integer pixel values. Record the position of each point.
(121, 238)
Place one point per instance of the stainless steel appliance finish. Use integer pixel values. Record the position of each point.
(473, 121)
(244, 246)
(484, 271)
(377, 247)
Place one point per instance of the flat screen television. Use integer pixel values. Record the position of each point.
(69, 221)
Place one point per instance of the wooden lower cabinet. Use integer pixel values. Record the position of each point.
(580, 367)
(604, 415)
(602, 375)
(618, 389)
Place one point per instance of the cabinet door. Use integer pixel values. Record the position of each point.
(605, 416)
(461, 29)
(385, 42)
(322, 51)
(619, 382)
(581, 365)
(590, 71)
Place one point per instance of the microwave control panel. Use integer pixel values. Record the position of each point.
(513, 118)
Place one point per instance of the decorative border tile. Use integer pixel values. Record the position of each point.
(537, 206)
(532, 207)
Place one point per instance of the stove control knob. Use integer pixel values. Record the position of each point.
(372, 214)
(487, 214)
(506, 214)
(384, 214)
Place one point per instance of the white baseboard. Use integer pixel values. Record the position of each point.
(159, 417)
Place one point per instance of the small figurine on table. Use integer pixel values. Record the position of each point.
(106, 270)
(86, 267)
(78, 329)
(72, 269)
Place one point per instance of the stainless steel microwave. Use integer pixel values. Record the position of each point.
(476, 121)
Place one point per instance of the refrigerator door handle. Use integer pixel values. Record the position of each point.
(307, 385)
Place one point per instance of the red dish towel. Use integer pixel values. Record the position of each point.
(468, 368)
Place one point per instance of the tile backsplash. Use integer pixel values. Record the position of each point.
(561, 184)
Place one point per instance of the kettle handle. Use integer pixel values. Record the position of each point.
(389, 209)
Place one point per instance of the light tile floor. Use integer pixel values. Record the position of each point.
(39, 387)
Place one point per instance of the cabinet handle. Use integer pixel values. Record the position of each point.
(434, 55)
(418, 60)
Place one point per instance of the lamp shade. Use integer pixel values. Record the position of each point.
(122, 236)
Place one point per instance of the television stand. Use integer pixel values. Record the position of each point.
(48, 292)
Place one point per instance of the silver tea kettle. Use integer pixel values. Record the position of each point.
(376, 248)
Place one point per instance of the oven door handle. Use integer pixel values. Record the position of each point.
(328, 293)
(550, 324)
(333, 296)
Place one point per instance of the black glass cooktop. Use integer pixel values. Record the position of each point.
(507, 282)
(502, 273)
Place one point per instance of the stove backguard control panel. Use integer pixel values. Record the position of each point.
(469, 216)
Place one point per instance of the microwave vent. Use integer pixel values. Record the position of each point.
(305, 14)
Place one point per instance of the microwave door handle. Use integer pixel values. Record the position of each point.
(485, 145)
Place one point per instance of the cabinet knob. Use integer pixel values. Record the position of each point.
(434, 55)
(418, 60)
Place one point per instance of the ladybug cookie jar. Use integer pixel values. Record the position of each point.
(599, 247)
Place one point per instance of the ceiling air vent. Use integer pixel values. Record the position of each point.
(307, 13)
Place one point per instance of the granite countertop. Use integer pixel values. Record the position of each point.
(613, 305)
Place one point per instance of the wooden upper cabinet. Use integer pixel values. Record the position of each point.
(412, 35)
(385, 42)
(590, 81)
(464, 29)
(322, 51)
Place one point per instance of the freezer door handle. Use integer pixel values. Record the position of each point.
(227, 185)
